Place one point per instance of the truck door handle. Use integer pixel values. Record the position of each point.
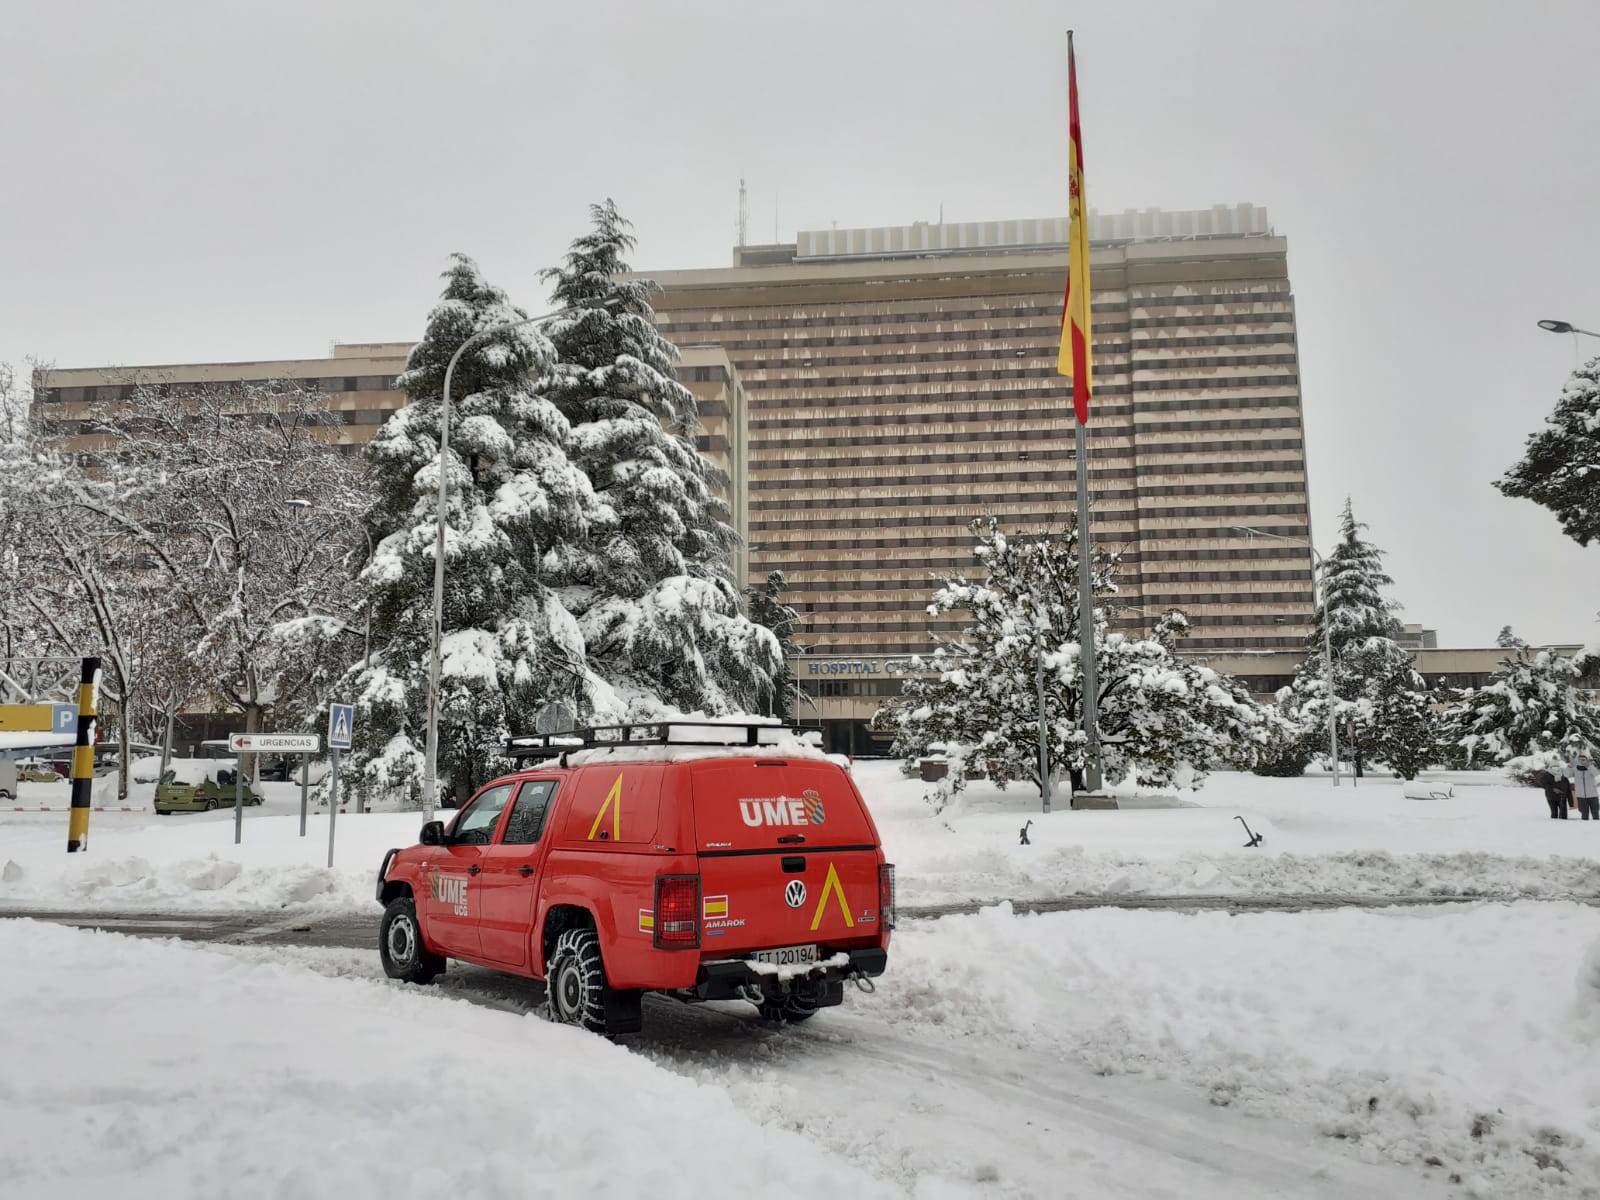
(794, 865)
(524, 871)
(473, 870)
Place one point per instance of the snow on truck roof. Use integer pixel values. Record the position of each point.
(671, 741)
(786, 748)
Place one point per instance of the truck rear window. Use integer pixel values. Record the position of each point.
(746, 805)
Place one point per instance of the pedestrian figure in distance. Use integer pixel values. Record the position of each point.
(1555, 794)
(1582, 776)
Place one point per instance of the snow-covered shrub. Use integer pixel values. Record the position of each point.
(1163, 721)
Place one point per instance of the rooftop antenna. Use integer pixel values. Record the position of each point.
(941, 212)
(744, 212)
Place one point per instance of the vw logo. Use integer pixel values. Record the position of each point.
(795, 894)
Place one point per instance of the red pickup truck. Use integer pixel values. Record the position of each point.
(657, 858)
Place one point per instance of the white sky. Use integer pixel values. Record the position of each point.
(199, 181)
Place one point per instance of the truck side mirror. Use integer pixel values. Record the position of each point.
(433, 833)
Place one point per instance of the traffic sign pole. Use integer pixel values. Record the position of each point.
(333, 803)
(341, 725)
(238, 801)
(305, 790)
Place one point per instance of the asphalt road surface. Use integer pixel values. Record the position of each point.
(274, 928)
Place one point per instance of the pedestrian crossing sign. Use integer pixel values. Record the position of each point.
(341, 722)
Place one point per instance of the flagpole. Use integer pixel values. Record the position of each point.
(1086, 638)
(1077, 341)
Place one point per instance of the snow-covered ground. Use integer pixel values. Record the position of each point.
(1417, 1052)
(1442, 1052)
(141, 1069)
(1490, 839)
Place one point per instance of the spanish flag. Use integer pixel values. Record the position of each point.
(1073, 357)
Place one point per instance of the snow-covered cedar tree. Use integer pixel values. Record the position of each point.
(655, 596)
(232, 516)
(1382, 705)
(1163, 721)
(1561, 462)
(518, 521)
(767, 609)
(1532, 713)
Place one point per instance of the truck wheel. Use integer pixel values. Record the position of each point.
(575, 981)
(400, 945)
(211, 806)
(790, 1008)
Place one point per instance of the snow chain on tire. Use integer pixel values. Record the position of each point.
(575, 981)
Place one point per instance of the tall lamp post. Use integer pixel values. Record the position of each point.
(1327, 639)
(1569, 327)
(1566, 327)
(430, 771)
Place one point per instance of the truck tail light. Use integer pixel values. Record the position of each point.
(199, 793)
(886, 894)
(677, 912)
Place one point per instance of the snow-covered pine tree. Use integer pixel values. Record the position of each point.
(519, 514)
(767, 609)
(655, 595)
(1561, 462)
(1533, 708)
(1379, 697)
(1162, 720)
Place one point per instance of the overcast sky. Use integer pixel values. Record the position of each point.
(216, 181)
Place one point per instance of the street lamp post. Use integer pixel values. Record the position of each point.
(1566, 327)
(430, 770)
(1327, 639)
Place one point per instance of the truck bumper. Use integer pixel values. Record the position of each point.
(823, 984)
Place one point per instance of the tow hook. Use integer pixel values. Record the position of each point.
(752, 994)
(865, 984)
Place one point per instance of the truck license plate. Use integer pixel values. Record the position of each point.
(788, 956)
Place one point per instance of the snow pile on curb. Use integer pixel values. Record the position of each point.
(190, 863)
(1444, 1038)
(223, 1078)
(995, 874)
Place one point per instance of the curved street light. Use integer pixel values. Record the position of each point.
(430, 770)
(1327, 640)
(1565, 327)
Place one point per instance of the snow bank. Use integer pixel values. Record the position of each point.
(1486, 839)
(189, 862)
(221, 1078)
(1439, 1037)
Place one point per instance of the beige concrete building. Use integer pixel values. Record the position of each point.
(358, 380)
(901, 381)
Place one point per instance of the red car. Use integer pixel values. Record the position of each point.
(636, 859)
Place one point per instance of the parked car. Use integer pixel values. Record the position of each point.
(200, 785)
(706, 862)
(36, 770)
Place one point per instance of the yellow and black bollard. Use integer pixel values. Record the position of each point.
(83, 759)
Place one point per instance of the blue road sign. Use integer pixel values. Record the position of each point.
(341, 724)
(64, 718)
